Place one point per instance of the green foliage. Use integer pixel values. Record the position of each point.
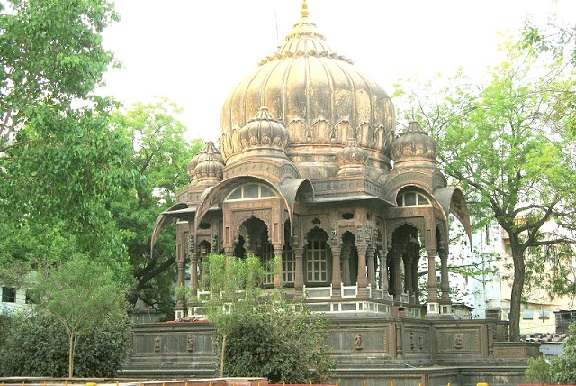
(276, 342)
(59, 162)
(506, 145)
(157, 163)
(539, 370)
(81, 296)
(260, 334)
(37, 346)
(564, 367)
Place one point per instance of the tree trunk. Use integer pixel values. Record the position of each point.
(517, 288)
(71, 349)
(222, 350)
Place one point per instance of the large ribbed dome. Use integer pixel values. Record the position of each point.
(318, 95)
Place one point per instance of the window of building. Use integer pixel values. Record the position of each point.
(317, 257)
(250, 191)
(288, 266)
(528, 315)
(8, 295)
(412, 198)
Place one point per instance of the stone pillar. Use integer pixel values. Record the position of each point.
(278, 268)
(407, 260)
(370, 267)
(180, 308)
(361, 280)
(298, 271)
(446, 302)
(384, 272)
(336, 249)
(345, 257)
(395, 274)
(432, 291)
(414, 270)
(194, 274)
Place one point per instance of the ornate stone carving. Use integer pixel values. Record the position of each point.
(358, 342)
(190, 343)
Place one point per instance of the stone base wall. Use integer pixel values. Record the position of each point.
(377, 350)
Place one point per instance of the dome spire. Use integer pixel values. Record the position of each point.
(304, 12)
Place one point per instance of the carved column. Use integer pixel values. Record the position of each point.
(298, 271)
(432, 291)
(414, 270)
(446, 303)
(278, 269)
(407, 260)
(345, 257)
(370, 266)
(361, 281)
(180, 307)
(336, 249)
(395, 274)
(194, 274)
(384, 272)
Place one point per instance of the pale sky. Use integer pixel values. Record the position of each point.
(195, 52)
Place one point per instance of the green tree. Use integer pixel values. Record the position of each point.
(259, 333)
(59, 162)
(234, 286)
(82, 296)
(505, 144)
(158, 158)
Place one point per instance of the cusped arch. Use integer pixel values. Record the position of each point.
(288, 190)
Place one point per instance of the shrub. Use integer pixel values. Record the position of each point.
(564, 367)
(539, 370)
(38, 346)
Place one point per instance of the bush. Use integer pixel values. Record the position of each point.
(564, 367)
(279, 344)
(38, 346)
(539, 370)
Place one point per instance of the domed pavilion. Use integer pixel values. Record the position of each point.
(311, 170)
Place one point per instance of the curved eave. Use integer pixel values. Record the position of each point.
(452, 201)
(288, 190)
(166, 218)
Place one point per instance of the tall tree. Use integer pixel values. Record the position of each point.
(505, 143)
(158, 158)
(58, 159)
(82, 296)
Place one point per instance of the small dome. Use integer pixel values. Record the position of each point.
(264, 133)
(414, 145)
(352, 159)
(206, 166)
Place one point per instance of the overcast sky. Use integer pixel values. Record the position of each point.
(195, 52)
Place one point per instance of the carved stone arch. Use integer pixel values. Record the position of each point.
(239, 218)
(417, 222)
(442, 233)
(404, 180)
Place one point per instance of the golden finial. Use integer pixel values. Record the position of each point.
(304, 11)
